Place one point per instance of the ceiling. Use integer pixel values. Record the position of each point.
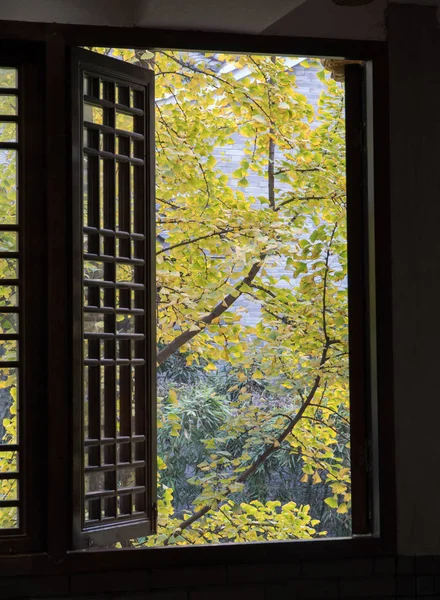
(247, 16)
(312, 18)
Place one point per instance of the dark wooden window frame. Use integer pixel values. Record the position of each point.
(371, 225)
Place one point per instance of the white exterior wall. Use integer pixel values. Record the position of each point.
(229, 158)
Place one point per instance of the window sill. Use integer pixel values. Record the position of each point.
(144, 560)
(232, 570)
(269, 552)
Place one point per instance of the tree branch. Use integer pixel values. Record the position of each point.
(271, 157)
(234, 88)
(294, 421)
(270, 173)
(324, 293)
(197, 239)
(218, 78)
(327, 425)
(301, 199)
(196, 158)
(312, 169)
(221, 307)
(271, 448)
(335, 412)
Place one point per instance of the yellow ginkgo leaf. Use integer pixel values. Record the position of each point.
(338, 488)
(316, 478)
(172, 397)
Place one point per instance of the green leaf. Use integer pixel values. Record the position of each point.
(332, 502)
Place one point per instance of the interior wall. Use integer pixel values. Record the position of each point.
(325, 19)
(245, 16)
(414, 59)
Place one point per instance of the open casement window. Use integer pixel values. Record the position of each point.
(114, 434)
(114, 437)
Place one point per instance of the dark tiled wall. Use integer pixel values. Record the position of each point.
(370, 578)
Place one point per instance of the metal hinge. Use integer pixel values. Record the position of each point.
(154, 517)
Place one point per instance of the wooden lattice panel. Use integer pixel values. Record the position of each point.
(10, 303)
(114, 319)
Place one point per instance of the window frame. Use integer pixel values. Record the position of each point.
(58, 39)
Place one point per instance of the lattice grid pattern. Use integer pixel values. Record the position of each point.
(10, 310)
(114, 301)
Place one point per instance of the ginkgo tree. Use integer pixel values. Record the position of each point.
(219, 245)
(223, 245)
